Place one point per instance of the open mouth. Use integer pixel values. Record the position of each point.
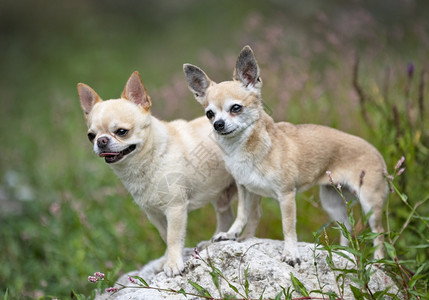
(112, 157)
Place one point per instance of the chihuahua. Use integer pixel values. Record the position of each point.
(278, 160)
(168, 168)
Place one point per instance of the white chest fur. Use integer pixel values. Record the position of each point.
(244, 165)
(252, 176)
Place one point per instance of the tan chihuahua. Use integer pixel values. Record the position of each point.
(168, 168)
(277, 160)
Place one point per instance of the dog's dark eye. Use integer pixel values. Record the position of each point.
(121, 132)
(210, 114)
(91, 136)
(236, 108)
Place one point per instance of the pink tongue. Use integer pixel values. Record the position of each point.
(108, 154)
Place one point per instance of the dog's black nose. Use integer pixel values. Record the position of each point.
(102, 141)
(219, 125)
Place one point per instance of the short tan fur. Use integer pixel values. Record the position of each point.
(156, 162)
(278, 160)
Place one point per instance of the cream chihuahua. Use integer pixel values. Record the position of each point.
(168, 168)
(277, 160)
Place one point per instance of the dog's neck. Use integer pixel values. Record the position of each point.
(252, 143)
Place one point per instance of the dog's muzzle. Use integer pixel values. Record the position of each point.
(219, 126)
(110, 156)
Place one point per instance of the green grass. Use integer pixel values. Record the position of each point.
(64, 214)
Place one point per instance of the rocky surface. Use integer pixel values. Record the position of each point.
(266, 273)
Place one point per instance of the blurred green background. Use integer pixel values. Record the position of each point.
(65, 215)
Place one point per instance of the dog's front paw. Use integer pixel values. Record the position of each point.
(174, 268)
(224, 236)
(290, 258)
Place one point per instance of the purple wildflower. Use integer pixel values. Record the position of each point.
(99, 275)
(132, 280)
(196, 254)
(112, 290)
(92, 279)
(331, 181)
(339, 186)
(400, 171)
(399, 163)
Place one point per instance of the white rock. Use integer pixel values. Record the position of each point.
(266, 274)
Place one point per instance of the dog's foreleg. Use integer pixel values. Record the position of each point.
(288, 211)
(254, 217)
(160, 222)
(223, 208)
(176, 232)
(245, 199)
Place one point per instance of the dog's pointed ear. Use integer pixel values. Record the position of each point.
(247, 69)
(87, 97)
(198, 81)
(136, 92)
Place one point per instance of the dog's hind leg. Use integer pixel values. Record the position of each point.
(373, 201)
(335, 206)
